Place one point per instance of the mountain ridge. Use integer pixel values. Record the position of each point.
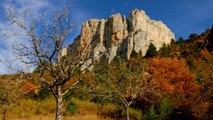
(103, 39)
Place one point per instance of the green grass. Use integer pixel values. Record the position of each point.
(28, 107)
(34, 109)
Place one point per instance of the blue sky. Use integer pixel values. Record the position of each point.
(183, 17)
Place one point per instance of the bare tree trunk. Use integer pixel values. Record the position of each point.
(59, 104)
(4, 115)
(127, 112)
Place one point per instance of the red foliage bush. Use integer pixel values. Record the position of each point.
(175, 79)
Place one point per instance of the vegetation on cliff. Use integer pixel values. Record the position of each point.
(174, 81)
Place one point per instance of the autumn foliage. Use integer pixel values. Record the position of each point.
(29, 88)
(175, 79)
(174, 83)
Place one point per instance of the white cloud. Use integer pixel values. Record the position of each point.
(37, 7)
(6, 49)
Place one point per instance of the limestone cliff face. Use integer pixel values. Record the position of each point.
(118, 36)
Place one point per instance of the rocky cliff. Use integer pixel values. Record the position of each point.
(118, 36)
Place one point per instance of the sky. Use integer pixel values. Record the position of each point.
(183, 17)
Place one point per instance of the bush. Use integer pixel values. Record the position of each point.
(161, 112)
(165, 109)
(151, 114)
(135, 114)
(135, 54)
(71, 108)
(43, 93)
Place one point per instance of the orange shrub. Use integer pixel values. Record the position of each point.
(29, 88)
(175, 79)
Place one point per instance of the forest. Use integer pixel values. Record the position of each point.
(172, 83)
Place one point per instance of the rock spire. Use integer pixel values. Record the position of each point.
(118, 36)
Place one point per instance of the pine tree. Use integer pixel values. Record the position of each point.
(152, 50)
(165, 51)
(181, 39)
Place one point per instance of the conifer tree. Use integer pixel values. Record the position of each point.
(152, 50)
(165, 51)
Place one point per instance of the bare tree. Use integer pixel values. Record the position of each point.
(11, 92)
(127, 81)
(43, 48)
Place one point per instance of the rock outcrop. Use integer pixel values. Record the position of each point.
(118, 36)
